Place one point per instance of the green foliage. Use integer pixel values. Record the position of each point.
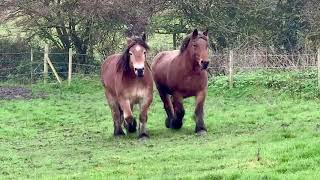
(14, 58)
(302, 84)
(252, 134)
(271, 23)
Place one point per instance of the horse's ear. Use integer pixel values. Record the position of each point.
(129, 41)
(206, 32)
(195, 33)
(144, 37)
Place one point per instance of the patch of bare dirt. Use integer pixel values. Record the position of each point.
(9, 93)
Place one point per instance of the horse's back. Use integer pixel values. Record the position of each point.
(164, 58)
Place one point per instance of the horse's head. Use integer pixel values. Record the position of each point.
(135, 55)
(138, 54)
(198, 47)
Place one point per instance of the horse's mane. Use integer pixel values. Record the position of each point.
(124, 61)
(187, 39)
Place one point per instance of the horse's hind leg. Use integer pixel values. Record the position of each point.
(116, 115)
(167, 104)
(177, 101)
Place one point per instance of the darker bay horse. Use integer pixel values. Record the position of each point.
(127, 80)
(181, 74)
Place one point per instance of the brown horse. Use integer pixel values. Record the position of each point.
(127, 80)
(182, 74)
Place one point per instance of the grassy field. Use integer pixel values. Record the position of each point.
(254, 132)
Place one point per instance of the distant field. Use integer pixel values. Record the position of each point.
(253, 133)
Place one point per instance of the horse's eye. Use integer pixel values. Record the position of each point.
(145, 52)
(195, 45)
(130, 53)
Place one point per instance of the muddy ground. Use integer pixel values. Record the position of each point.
(9, 93)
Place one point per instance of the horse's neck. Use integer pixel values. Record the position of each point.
(185, 60)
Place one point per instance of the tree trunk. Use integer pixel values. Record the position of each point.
(174, 38)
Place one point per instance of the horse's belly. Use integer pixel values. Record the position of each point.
(189, 86)
(188, 92)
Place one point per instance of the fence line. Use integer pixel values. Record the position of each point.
(226, 64)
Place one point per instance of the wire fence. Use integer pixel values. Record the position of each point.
(28, 67)
(220, 64)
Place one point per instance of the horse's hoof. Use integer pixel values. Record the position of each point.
(118, 133)
(201, 133)
(143, 136)
(131, 127)
(176, 124)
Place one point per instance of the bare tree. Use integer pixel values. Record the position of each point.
(81, 24)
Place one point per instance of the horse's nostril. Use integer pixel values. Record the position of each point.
(204, 64)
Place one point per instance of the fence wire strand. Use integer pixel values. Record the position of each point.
(18, 64)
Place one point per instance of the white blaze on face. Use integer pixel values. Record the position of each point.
(138, 48)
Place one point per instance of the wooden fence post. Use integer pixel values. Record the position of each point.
(70, 66)
(45, 64)
(318, 63)
(31, 66)
(53, 70)
(231, 69)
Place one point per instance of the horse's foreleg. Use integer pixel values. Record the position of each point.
(129, 122)
(144, 117)
(167, 104)
(179, 111)
(121, 115)
(116, 115)
(200, 126)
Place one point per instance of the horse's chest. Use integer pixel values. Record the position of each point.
(136, 94)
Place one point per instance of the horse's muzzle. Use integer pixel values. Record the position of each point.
(139, 71)
(204, 64)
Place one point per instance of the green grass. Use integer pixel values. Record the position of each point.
(254, 132)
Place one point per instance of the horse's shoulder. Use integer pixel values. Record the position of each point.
(110, 58)
(114, 56)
